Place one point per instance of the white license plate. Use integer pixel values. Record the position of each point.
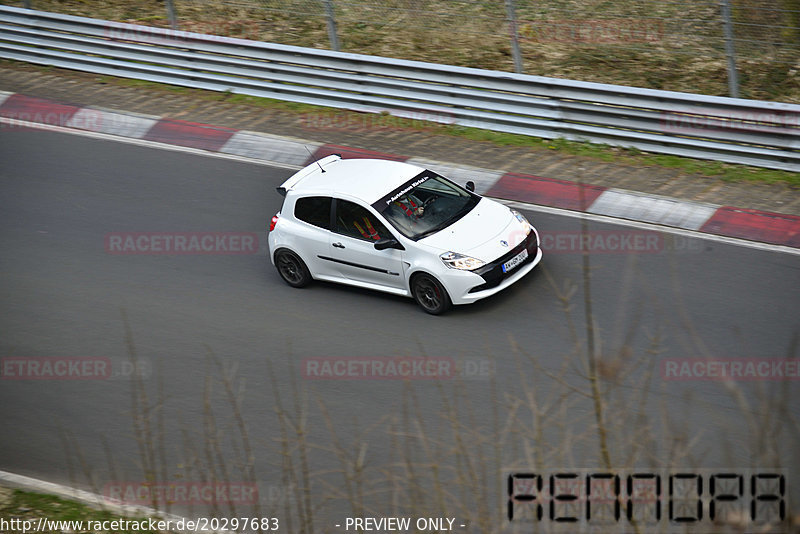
(516, 260)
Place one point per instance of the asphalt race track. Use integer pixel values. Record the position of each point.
(196, 323)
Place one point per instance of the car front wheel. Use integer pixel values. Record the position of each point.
(430, 294)
(292, 269)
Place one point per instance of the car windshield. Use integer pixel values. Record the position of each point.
(425, 204)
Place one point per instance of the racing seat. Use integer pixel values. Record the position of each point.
(367, 231)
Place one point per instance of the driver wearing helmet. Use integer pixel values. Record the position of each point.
(411, 206)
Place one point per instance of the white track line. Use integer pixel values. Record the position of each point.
(522, 205)
(269, 148)
(652, 227)
(90, 499)
(145, 143)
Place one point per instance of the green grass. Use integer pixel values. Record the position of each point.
(31, 506)
(605, 153)
(622, 155)
(270, 103)
(632, 156)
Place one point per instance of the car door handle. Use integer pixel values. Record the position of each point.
(337, 245)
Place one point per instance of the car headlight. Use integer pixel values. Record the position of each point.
(454, 260)
(521, 218)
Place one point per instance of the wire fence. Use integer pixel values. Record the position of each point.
(747, 48)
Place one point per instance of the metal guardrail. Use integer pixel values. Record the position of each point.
(764, 134)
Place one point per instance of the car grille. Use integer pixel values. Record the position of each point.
(493, 274)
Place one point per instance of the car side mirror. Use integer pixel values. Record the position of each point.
(388, 242)
(471, 186)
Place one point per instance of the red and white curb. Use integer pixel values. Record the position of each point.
(656, 210)
(270, 148)
(752, 225)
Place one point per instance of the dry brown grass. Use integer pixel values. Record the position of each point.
(683, 50)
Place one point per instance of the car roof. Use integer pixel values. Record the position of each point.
(365, 179)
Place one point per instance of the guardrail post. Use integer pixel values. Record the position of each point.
(730, 49)
(512, 28)
(664, 122)
(332, 35)
(173, 20)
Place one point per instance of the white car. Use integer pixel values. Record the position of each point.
(398, 228)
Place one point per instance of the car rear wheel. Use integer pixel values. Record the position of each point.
(430, 294)
(292, 269)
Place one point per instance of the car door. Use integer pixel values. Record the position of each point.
(355, 231)
(313, 234)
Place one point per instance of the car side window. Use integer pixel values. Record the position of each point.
(356, 221)
(314, 210)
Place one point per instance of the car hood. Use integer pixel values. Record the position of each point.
(481, 233)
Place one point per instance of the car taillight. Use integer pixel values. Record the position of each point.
(273, 222)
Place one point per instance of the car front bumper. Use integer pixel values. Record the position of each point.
(490, 279)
